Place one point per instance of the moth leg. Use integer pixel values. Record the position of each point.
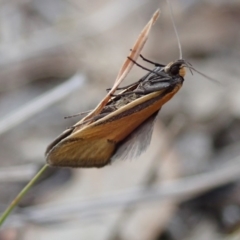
(148, 88)
(125, 87)
(118, 95)
(157, 79)
(136, 83)
(147, 69)
(149, 61)
(127, 93)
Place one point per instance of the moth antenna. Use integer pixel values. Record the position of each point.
(204, 75)
(78, 114)
(175, 29)
(188, 65)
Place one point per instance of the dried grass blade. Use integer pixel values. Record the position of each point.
(126, 67)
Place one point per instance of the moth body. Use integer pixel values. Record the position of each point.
(123, 128)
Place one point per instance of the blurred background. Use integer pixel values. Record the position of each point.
(57, 57)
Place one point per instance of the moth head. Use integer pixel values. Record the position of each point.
(176, 68)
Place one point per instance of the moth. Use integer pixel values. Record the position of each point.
(123, 128)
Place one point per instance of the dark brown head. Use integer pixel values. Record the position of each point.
(176, 68)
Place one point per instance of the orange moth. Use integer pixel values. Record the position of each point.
(121, 125)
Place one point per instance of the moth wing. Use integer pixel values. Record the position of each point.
(137, 142)
(78, 152)
(63, 135)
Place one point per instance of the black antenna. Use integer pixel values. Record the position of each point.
(204, 75)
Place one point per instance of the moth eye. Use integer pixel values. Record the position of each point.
(174, 70)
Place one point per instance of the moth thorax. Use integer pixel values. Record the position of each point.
(167, 67)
